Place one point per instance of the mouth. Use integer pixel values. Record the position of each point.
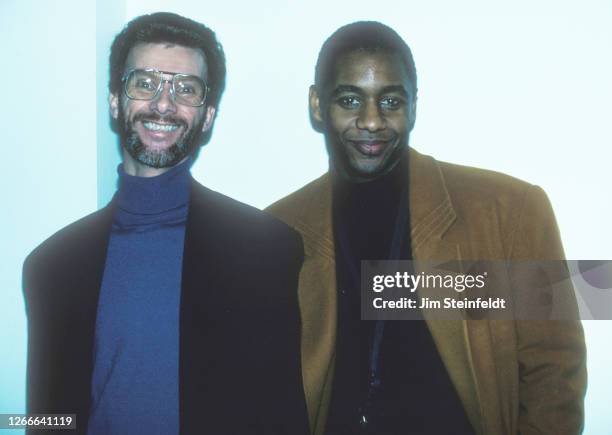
(155, 126)
(370, 148)
(159, 134)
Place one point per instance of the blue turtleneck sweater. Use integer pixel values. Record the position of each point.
(135, 385)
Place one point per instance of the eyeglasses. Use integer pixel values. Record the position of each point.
(146, 84)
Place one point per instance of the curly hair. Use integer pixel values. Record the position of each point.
(170, 28)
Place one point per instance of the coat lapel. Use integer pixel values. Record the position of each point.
(432, 215)
(88, 265)
(317, 299)
(65, 319)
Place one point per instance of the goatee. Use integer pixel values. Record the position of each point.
(156, 158)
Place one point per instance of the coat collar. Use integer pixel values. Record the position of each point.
(431, 212)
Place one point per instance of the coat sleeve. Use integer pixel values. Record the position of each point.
(33, 371)
(551, 353)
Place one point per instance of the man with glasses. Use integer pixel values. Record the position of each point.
(173, 309)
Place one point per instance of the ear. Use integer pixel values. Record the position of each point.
(209, 118)
(113, 105)
(314, 103)
(412, 112)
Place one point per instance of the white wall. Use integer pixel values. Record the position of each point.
(48, 127)
(522, 87)
(110, 19)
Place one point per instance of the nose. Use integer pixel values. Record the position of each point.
(370, 118)
(164, 102)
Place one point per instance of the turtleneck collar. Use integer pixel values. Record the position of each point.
(154, 195)
(365, 213)
(387, 186)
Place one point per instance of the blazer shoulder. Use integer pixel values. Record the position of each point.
(245, 222)
(64, 253)
(64, 240)
(483, 184)
(290, 208)
(488, 193)
(520, 210)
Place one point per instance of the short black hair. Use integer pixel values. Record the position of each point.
(171, 28)
(368, 36)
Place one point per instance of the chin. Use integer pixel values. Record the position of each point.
(369, 167)
(367, 170)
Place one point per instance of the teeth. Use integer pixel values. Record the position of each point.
(159, 127)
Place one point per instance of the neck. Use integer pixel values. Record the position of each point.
(154, 195)
(137, 169)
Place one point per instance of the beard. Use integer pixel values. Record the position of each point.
(158, 158)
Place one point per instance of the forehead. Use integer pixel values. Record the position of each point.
(167, 57)
(365, 69)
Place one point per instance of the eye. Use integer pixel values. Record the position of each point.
(391, 103)
(348, 102)
(185, 89)
(144, 84)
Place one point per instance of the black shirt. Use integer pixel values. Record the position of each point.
(411, 391)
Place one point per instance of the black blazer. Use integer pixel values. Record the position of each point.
(239, 320)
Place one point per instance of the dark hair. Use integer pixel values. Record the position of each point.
(369, 36)
(173, 29)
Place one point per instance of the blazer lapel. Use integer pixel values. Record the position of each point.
(432, 215)
(317, 299)
(70, 309)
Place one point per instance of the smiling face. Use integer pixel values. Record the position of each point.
(367, 111)
(160, 133)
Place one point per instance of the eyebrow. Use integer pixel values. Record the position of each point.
(395, 88)
(387, 89)
(346, 88)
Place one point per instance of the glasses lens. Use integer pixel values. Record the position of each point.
(142, 85)
(189, 90)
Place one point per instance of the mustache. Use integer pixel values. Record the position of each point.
(163, 119)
